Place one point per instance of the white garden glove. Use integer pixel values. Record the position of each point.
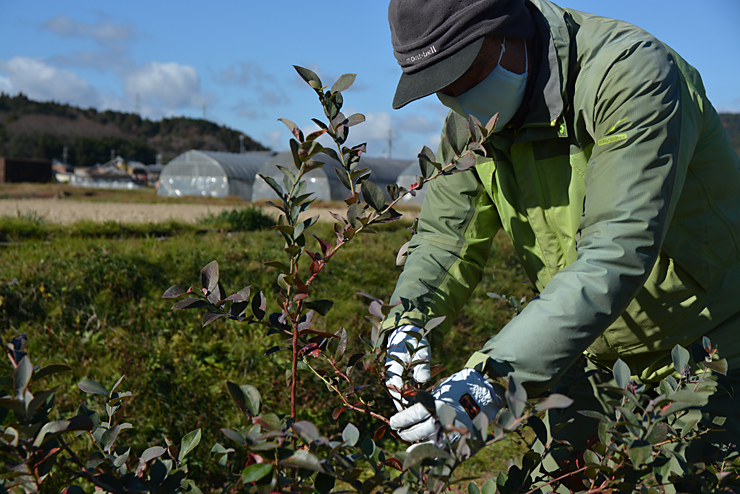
(397, 347)
(467, 392)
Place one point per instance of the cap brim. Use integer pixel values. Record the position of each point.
(437, 76)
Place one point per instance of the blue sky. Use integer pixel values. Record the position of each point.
(166, 58)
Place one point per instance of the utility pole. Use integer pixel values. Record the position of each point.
(241, 143)
(137, 105)
(204, 111)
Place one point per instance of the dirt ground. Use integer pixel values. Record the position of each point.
(59, 203)
(69, 211)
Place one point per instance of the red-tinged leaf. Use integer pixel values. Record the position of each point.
(209, 317)
(337, 412)
(175, 291)
(315, 267)
(394, 463)
(190, 303)
(300, 296)
(300, 286)
(338, 218)
(293, 128)
(209, 276)
(308, 348)
(240, 296)
(465, 161)
(380, 432)
(325, 246)
(315, 135)
(375, 309)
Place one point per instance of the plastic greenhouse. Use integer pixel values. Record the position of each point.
(212, 173)
(323, 182)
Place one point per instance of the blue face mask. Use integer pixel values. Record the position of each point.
(502, 92)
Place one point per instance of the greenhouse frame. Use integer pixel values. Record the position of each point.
(212, 173)
(323, 182)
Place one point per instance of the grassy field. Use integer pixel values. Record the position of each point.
(90, 296)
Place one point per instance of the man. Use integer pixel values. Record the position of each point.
(614, 179)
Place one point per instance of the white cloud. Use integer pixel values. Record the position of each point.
(420, 124)
(40, 81)
(274, 139)
(170, 85)
(101, 32)
(6, 86)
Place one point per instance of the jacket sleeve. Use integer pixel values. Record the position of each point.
(446, 256)
(635, 121)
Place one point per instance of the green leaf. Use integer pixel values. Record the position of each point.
(253, 399)
(109, 437)
(422, 452)
(51, 429)
(354, 119)
(373, 195)
(680, 358)
(488, 487)
(209, 276)
(554, 401)
(657, 433)
(309, 76)
(473, 488)
(150, 453)
(175, 291)
(320, 306)
(188, 443)
(350, 435)
(22, 376)
(456, 132)
(343, 83)
(233, 435)
(304, 459)
(622, 374)
(640, 452)
(90, 386)
(343, 178)
(273, 184)
(427, 162)
(718, 366)
(255, 472)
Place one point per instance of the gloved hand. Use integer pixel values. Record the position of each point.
(467, 392)
(397, 347)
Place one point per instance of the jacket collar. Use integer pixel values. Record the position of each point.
(549, 97)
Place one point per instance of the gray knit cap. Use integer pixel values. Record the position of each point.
(436, 41)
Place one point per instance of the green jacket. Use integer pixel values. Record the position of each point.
(620, 191)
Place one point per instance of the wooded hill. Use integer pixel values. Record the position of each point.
(32, 129)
